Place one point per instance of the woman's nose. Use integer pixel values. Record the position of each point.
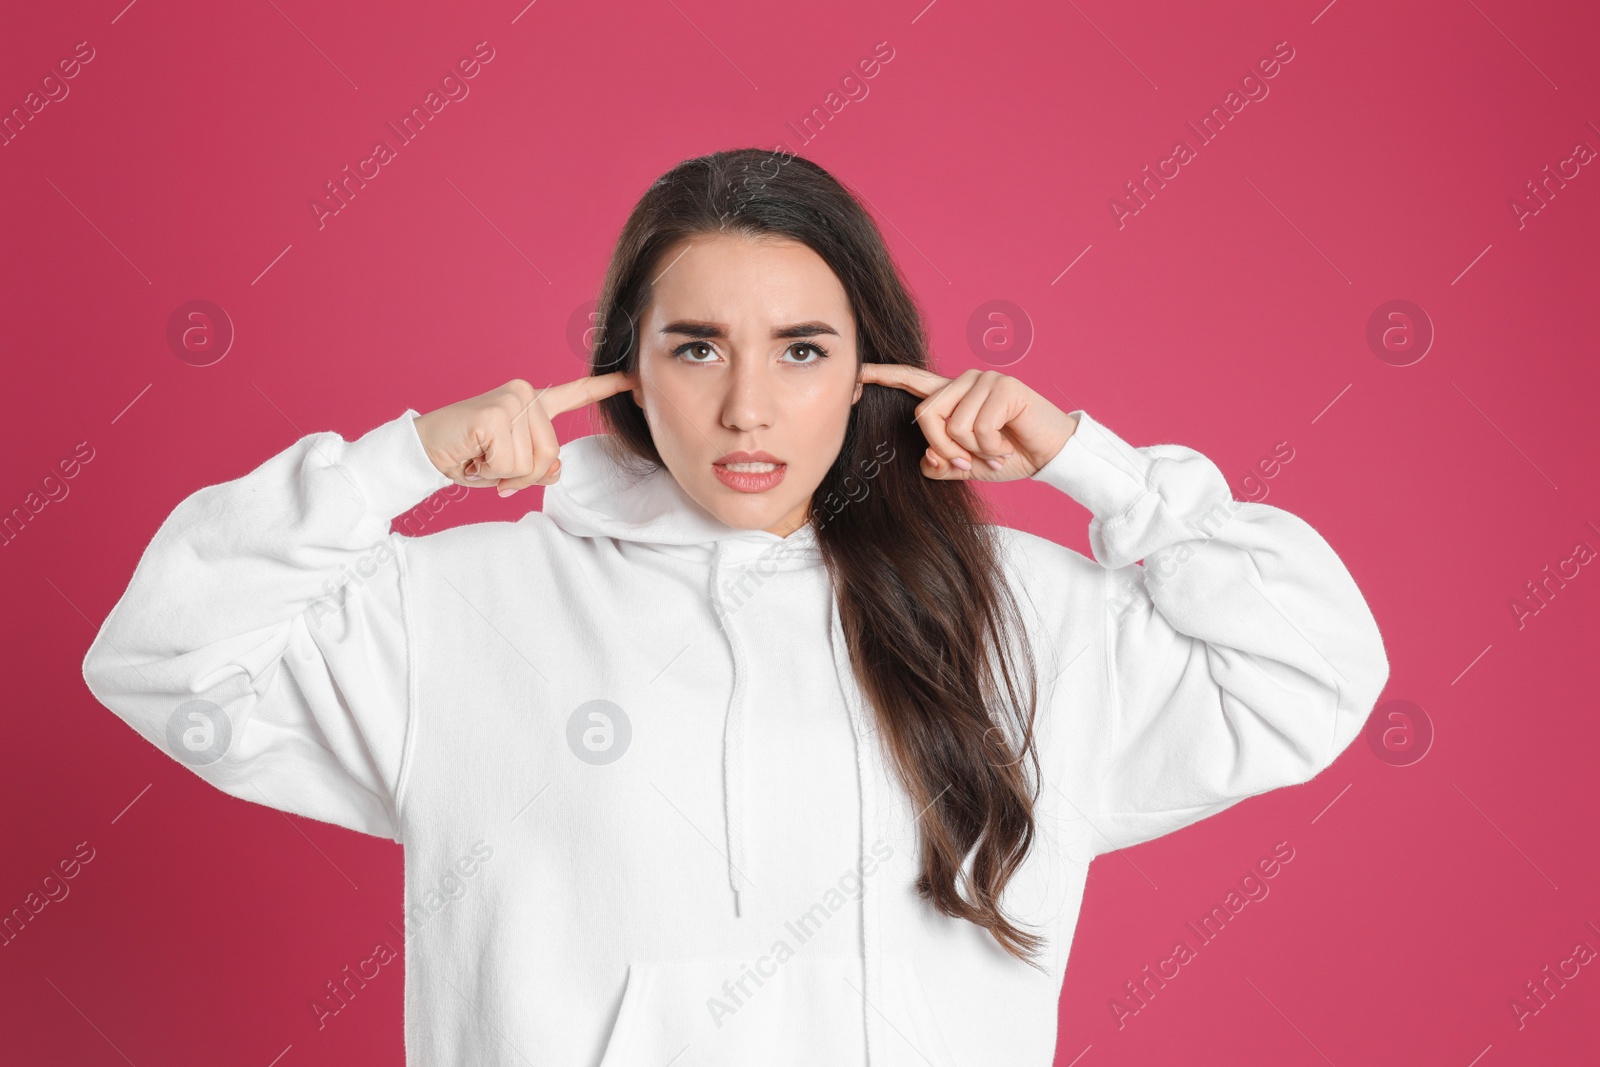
(747, 405)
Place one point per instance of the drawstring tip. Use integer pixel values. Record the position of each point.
(737, 912)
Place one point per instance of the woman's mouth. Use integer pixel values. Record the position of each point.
(749, 472)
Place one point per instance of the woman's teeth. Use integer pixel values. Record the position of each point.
(750, 468)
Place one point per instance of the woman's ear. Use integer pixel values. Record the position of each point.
(857, 396)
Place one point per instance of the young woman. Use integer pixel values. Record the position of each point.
(758, 744)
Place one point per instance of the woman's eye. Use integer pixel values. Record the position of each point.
(802, 346)
(692, 346)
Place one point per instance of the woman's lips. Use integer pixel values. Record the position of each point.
(749, 475)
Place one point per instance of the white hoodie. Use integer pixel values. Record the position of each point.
(645, 815)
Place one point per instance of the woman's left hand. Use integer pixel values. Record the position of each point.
(979, 417)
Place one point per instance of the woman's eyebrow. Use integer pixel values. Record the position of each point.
(715, 330)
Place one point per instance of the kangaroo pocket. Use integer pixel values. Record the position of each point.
(801, 1012)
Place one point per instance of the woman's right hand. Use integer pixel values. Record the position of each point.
(505, 437)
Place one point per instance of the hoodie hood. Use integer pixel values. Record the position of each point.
(597, 497)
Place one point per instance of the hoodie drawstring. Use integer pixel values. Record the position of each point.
(871, 972)
(732, 742)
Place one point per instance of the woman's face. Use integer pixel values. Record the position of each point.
(731, 359)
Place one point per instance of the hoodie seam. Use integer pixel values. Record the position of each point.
(1108, 639)
(408, 629)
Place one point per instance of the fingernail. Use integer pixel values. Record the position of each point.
(996, 464)
(507, 492)
(961, 464)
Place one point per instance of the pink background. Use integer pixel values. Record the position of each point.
(1229, 313)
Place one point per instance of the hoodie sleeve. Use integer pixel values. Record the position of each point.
(263, 640)
(1241, 655)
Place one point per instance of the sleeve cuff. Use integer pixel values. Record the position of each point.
(1143, 499)
(392, 468)
(1098, 469)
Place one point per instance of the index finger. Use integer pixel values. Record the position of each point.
(923, 383)
(570, 396)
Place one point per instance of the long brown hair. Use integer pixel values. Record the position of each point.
(914, 561)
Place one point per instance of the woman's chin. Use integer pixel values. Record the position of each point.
(747, 511)
(749, 518)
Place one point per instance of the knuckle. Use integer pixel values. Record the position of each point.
(513, 404)
(514, 394)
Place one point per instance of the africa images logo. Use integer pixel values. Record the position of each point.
(199, 732)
